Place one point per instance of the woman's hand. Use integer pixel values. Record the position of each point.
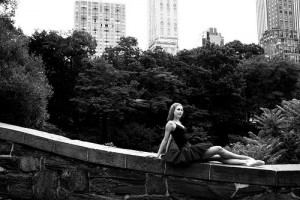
(159, 156)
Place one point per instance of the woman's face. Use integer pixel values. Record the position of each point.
(178, 112)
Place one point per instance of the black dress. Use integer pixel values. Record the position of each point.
(186, 153)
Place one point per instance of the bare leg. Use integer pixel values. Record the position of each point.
(217, 153)
(228, 161)
(217, 150)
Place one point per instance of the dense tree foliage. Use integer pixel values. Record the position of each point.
(24, 89)
(125, 53)
(121, 99)
(269, 82)
(245, 51)
(215, 85)
(63, 57)
(129, 90)
(104, 93)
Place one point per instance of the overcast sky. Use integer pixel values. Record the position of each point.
(234, 19)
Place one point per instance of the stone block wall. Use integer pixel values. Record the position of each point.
(39, 165)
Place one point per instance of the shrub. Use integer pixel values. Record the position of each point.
(278, 140)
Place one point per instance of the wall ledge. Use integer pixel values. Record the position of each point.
(268, 175)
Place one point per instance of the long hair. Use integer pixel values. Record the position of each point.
(171, 111)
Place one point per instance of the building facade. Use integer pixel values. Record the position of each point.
(104, 21)
(278, 27)
(162, 25)
(211, 35)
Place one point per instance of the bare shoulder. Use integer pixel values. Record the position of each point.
(170, 126)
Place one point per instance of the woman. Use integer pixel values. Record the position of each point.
(187, 153)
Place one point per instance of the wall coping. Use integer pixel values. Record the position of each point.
(268, 175)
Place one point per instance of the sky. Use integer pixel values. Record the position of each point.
(234, 19)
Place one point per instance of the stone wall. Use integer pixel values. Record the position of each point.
(39, 165)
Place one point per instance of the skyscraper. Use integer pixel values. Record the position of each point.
(104, 21)
(278, 27)
(211, 35)
(162, 25)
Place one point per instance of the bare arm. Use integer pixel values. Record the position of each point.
(165, 143)
(169, 143)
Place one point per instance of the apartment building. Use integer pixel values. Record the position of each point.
(104, 21)
(211, 35)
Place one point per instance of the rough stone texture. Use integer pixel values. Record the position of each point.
(3, 185)
(10, 163)
(29, 164)
(45, 184)
(272, 196)
(146, 197)
(56, 163)
(243, 190)
(37, 165)
(156, 184)
(116, 181)
(20, 185)
(75, 180)
(296, 191)
(237, 174)
(200, 171)
(5, 147)
(197, 189)
(288, 176)
(94, 197)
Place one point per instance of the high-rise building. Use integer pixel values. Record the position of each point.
(162, 25)
(278, 27)
(261, 17)
(211, 35)
(297, 16)
(104, 21)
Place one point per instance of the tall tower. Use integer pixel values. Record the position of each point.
(104, 21)
(211, 35)
(261, 12)
(162, 25)
(296, 10)
(278, 27)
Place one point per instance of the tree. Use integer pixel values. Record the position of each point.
(162, 58)
(122, 55)
(24, 89)
(103, 96)
(7, 8)
(215, 86)
(268, 82)
(63, 58)
(245, 51)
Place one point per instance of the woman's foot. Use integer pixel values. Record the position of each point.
(254, 163)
